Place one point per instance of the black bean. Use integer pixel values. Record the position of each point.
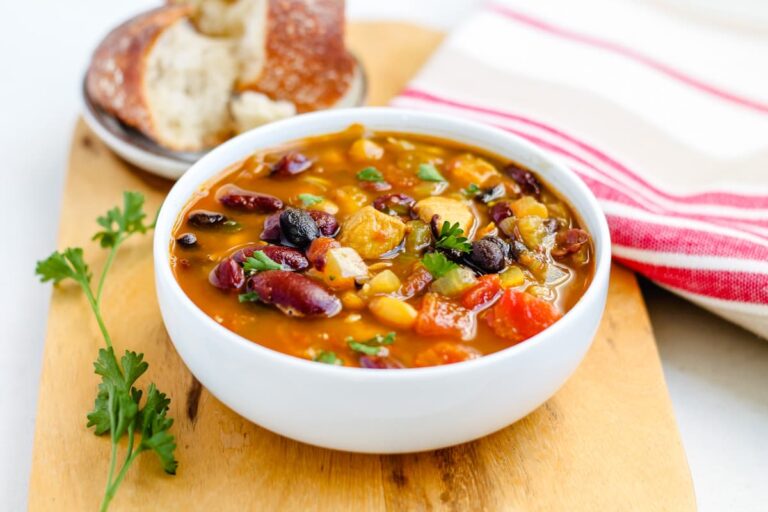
(187, 240)
(489, 254)
(298, 228)
(206, 218)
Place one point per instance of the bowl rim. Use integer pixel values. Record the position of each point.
(366, 116)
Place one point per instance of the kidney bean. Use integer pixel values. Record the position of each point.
(500, 211)
(294, 294)
(326, 222)
(318, 251)
(527, 181)
(298, 228)
(288, 257)
(206, 218)
(395, 204)
(380, 363)
(237, 198)
(375, 186)
(227, 275)
(271, 230)
(187, 240)
(489, 254)
(568, 242)
(291, 164)
(491, 194)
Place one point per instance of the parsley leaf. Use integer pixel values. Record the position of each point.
(248, 297)
(154, 425)
(437, 264)
(64, 265)
(370, 174)
(259, 261)
(119, 223)
(327, 357)
(373, 346)
(451, 238)
(428, 172)
(310, 199)
(471, 191)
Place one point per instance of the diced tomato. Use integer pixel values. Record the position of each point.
(441, 317)
(519, 315)
(487, 289)
(445, 352)
(318, 250)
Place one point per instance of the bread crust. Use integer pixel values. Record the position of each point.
(115, 78)
(306, 61)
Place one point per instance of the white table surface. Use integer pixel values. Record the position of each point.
(717, 373)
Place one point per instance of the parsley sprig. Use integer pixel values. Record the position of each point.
(452, 237)
(117, 409)
(437, 264)
(309, 199)
(371, 174)
(375, 346)
(428, 172)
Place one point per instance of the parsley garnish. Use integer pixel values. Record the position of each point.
(117, 408)
(259, 261)
(428, 172)
(248, 297)
(451, 238)
(471, 191)
(310, 199)
(437, 264)
(370, 174)
(327, 357)
(373, 346)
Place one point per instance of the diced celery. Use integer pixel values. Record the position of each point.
(419, 236)
(511, 277)
(454, 282)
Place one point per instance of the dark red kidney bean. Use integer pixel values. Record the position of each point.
(527, 181)
(491, 194)
(227, 275)
(288, 257)
(435, 225)
(237, 198)
(271, 230)
(395, 204)
(380, 363)
(568, 242)
(500, 211)
(206, 218)
(291, 164)
(294, 294)
(187, 240)
(326, 223)
(298, 228)
(489, 254)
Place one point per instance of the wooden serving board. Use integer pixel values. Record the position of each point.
(606, 441)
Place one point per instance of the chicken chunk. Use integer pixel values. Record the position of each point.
(372, 233)
(451, 210)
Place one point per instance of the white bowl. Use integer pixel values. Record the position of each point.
(380, 411)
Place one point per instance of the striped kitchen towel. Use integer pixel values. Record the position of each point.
(662, 113)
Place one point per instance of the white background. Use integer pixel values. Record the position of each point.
(717, 373)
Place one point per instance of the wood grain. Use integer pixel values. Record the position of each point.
(606, 441)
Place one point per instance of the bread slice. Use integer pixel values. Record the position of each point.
(289, 50)
(161, 76)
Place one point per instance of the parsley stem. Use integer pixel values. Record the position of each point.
(113, 453)
(112, 489)
(107, 266)
(97, 313)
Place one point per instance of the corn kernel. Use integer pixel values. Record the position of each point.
(512, 277)
(527, 205)
(363, 150)
(384, 282)
(393, 311)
